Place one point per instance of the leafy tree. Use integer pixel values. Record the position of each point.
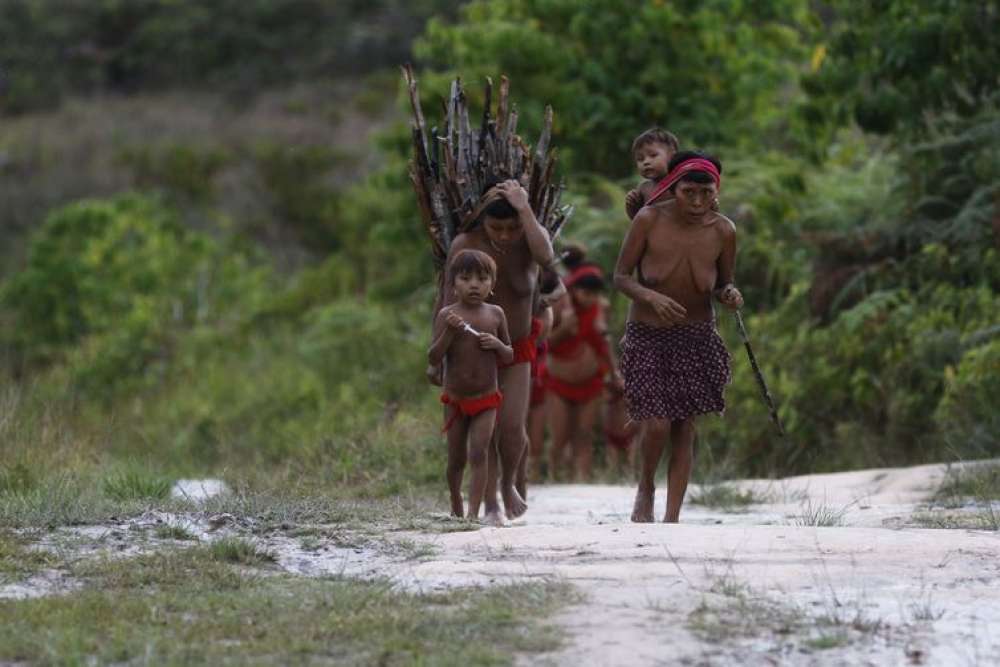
(892, 64)
(716, 73)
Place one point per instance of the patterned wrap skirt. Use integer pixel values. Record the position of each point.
(674, 372)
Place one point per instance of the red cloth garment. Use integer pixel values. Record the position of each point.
(582, 272)
(580, 392)
(570, 348)
(470, 407)
(524, 348)
(538, 366)
(694, 164)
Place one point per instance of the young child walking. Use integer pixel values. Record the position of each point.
(471, 337)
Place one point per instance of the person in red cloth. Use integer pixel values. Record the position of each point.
(506, 229)
(579, 361)
(677, 255)
(471, 337)
(551, 289)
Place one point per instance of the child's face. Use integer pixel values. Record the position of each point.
(585, 298)
(652, 159)
(473, 286)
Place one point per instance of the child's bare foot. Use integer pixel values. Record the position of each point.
(642, 511)
(513, 503)
(492, 519)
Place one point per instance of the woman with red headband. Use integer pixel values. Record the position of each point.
(579, 360)
(678, 255)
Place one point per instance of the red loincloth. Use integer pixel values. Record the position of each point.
(578, 392)
(525, 351)
(470, 407)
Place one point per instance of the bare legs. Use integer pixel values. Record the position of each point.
(653, 441)
(531, 463)
(679, 469)
(511, 442)
(478, 432)
(572, 427)
(559, 426)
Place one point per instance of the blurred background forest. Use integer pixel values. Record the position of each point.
(212, 261)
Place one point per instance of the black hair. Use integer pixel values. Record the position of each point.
(693, 176)
(590, 283)
(574, 255)
(501, 208)
(472, 261)
(655, 135)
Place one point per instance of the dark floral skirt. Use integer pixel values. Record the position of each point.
(674, 372)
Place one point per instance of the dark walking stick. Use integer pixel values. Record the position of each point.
(757, 374)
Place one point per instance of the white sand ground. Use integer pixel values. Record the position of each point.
(880, 593)
(721, 588)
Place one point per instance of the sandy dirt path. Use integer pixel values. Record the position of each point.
(747, 588)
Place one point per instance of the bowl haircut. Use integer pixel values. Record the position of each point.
(472, 261)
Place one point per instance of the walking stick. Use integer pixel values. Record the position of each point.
(757, 374)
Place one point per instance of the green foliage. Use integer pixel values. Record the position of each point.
(891, 65)
(136, 484)
(239, 550)
(715, 73)
(107, 283)
(51, 47)
(182, 169)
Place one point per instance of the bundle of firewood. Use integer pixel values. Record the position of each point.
(451, 167)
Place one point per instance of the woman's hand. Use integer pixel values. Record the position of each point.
(729, 297)
(667, 309)
(514, 193)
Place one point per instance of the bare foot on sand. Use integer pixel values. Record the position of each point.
(642, 510)
(492, 519)
(513, 504)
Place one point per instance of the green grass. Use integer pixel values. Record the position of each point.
(820, 515)
(970, 496)
(726, 496)
(187, 607)
(137, 484)
(979, 482)
(239, 550)
(17, 560)
(174, 532)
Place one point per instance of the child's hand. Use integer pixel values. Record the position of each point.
(729, 297)
(454, 321)
(435, 375)
(489, 342)
(633, 202)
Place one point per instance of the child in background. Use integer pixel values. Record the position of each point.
(471, 337)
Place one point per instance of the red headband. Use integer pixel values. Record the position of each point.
(694, 164)
(583, 272)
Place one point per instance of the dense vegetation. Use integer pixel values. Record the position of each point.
(237, 295)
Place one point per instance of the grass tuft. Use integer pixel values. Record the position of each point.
(136, 484)
(726, 496)
(821, 515)
(239, 550)
(174, 532)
